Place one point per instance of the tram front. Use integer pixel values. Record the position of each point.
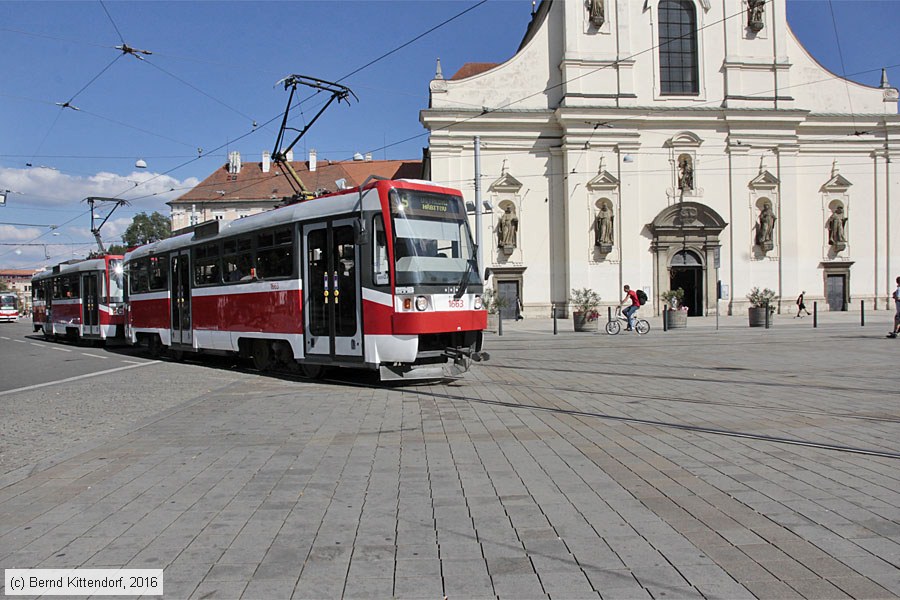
(438, 306)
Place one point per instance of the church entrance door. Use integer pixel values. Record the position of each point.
(687, 273)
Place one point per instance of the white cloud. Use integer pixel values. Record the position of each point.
(43, 188)
(10, 233)
(46, 187)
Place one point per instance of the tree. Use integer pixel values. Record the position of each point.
(145, 229)
(117, 249)
(3, 286)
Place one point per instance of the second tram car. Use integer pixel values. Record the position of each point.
(81, 299)
(9, 308)
(381, 277)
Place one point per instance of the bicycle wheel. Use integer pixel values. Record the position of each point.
(641, 326)
(613, 327)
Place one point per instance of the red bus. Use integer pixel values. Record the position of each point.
(80, 299)
(381, 277)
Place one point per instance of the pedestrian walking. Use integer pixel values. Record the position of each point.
(896, 297)
(801, 306)
(519, 316)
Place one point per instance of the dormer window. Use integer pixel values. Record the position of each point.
(678, 61)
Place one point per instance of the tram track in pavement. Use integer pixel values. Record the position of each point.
(642, 397)
(421, 389)
(648, 422)
(615, 372)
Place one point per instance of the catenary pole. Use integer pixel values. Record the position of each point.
(480, 252)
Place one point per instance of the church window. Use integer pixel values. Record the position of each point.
(678, 60)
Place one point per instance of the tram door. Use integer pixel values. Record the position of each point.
(180, 276)
(332, 301)
(90, 309)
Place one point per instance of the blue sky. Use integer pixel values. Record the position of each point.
(213, 72)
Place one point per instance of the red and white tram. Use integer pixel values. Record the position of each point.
(81, 299)
(9, 308)
(381, 278)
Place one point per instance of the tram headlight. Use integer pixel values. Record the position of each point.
(421, 302)
(478, 303)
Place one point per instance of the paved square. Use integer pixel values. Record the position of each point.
(736, 463)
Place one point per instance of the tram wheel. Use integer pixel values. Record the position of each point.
(154, 346)
(262, 355)
(312, 371)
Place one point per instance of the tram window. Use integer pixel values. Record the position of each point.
(158, 272)
(237, 259)
(206, 264)
(116, 280)
(67, 287)
(275, 254)
(137, 276)
(380, 261)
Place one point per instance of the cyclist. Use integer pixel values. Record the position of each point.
(635, 304)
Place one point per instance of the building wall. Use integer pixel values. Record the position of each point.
(199, 212)
(769, 125)
(20, 284)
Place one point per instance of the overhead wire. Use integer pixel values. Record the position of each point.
(116, 27)
(837, 41)
(549, 88)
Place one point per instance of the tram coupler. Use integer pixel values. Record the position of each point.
(458, 354)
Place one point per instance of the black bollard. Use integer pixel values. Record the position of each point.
(862, 313)
(499, 323)
(665, 320)
(554, 320)
(815, 314)
(767, 314)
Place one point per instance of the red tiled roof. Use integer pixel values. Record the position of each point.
(252, 184)
(17, 273)
(470, 69)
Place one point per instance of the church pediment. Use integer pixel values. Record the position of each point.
(603, 181)
(685, 139)
(687, 216)
(764, 181)
(837, 183)
(506, 183)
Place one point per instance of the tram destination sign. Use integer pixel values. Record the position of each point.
(424, 204)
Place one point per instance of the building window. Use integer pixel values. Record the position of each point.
(678, 65)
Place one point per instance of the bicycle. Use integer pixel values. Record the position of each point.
(641, 326)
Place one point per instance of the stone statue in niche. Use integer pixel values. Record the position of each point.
(596, 12)
(765, 227)
(507, 229)
(755, 14)
(603, 229)
(837, 229)
(685, 173)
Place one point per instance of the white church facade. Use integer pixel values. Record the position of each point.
(673, 143)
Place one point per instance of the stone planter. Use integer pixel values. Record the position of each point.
(492, 322)
(582, 324)
(675, 319)
(758, 316)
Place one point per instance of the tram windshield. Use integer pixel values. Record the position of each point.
(8, 301)
(116, 280)
(432, 242)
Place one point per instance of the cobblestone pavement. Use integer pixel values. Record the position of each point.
(736, 463)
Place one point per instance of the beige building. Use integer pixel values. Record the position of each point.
(19, 281)
(674, 144)
(239, 189)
